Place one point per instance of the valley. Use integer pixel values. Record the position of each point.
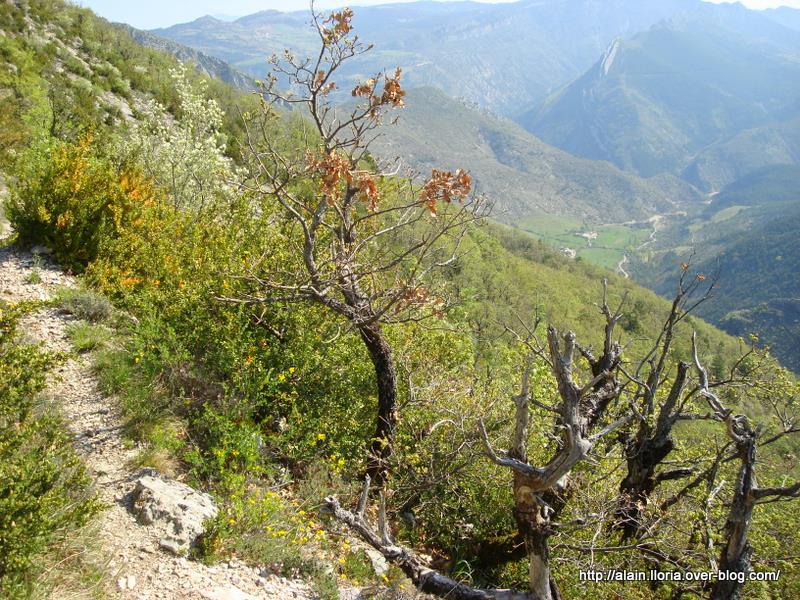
(315, 327)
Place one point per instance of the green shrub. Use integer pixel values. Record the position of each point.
(85, 304)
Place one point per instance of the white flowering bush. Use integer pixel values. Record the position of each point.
(184, 156)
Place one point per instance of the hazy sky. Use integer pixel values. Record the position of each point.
(149, 14)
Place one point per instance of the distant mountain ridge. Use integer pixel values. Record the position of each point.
(786, 16)
(503, 56)
(652, 103)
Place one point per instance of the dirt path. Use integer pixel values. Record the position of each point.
(139, 569)
(621, 266)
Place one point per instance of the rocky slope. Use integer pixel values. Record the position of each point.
(208, 65)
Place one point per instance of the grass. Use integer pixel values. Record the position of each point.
(86, 337)
(157, 458)
(35, 276)
(606, 250)
(726, 213)
(74, 567)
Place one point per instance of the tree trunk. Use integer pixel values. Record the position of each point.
(533, 516)
(643, 456)
(386, 375)
(646, 451)
(737, 551)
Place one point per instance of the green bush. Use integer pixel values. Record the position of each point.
(85, 304)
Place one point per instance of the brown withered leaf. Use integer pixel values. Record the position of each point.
(445, 186)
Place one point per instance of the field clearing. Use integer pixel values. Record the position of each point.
(607, 249)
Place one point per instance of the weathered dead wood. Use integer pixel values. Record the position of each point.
(426, 580)
(649, 445)
(737, 552)
(540, 492)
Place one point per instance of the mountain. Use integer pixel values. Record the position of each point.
(726, 161)
(769, 186)
(208, 65)
(503, 56)
(786, 16)
(521, 173)
(651, 103)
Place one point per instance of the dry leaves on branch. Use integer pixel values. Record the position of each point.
(339, 25)
(332, 169)
(335, 169)
(320, 86)
(368, 190)
(392, 95)
(445, 186)
(392, 92)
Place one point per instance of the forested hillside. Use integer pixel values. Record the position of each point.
(525, 177)
(747, 235)
(337, 353)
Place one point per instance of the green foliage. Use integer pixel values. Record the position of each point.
(44, 489)
(86, 337)
(248, 398)
(85, 304)
(70, 197)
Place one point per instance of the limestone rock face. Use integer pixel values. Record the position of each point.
(173, 506)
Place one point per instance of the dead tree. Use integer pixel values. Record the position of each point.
(540, 492)
(651, 442)
(364, 255)
(424, 578)
(737, 553)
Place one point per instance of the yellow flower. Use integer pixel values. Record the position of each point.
(320, 436)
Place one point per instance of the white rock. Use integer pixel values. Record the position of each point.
(174, 507)
(131, 581)
(41, 250)
(379, 564)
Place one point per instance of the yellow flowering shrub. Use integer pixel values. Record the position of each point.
(70, 196)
